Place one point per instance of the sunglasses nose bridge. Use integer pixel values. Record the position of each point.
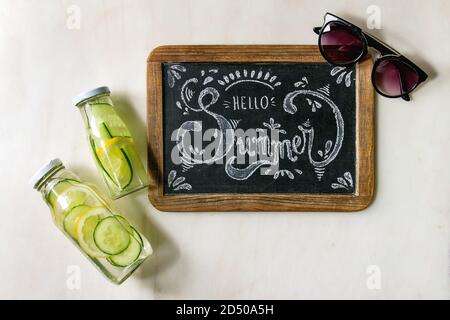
(376, 50)
(375, 53)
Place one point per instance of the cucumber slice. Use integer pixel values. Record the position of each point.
(57, 189)
(130, 254)
(111, 237)
(72, 218)
(124, 222)
(126, 171)
(114, 163)
(104, 131)
(97, 160)
(118, 166)
(85, 231)
(104, 114)
(109, 132)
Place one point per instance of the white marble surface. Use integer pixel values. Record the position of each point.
(405, 232)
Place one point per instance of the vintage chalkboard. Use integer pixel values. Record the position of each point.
(258, 128)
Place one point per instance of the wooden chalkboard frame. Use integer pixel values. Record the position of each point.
(364, 180)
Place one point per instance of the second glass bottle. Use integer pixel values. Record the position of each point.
(111, 144)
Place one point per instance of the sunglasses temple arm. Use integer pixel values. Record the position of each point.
(405, 96)
(317, 30)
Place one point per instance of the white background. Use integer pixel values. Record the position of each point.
(404, 233)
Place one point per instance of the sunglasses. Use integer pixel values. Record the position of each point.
(344, 44)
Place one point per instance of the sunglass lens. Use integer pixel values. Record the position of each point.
(394, 78)
(340, 44)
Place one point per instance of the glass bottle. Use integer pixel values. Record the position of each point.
(111, 144)
(106, 238)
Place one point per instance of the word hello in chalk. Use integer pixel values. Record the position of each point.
(252, 103)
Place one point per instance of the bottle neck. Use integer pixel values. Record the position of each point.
(48, 177)
(56, 175)
(87, 108)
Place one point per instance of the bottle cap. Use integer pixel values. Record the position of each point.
(45, 171)
(89, 94)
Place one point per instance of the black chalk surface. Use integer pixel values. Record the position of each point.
(258, 128)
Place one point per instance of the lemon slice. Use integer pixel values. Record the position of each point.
(116, 141)
(63, 197)
(85, 231)
(116, 163)
(72, 219)
(71, 198)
